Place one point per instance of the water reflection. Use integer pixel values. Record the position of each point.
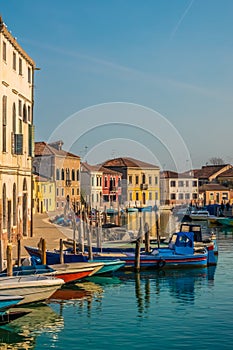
(22, 333)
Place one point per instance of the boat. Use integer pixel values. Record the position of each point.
(179, 254)
(145, 209)
(132, 210)
(32, 288)
(199, 215)
(69, 273)
(209, 241)
(225, 221)
(54, 256)
(7, 301)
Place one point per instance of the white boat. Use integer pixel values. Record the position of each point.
(199, 215)
(32, 288)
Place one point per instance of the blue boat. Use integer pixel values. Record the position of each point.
(180, 253)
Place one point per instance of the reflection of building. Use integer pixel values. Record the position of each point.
(62, 167)
(16, 137)
(140, 181)
(178, 188)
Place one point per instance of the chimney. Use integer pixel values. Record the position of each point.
(57, 144)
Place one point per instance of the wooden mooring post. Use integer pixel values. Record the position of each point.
(9, 260)
(138, 248)
(19, 252)
(61, 251)
(42, 247)
(147, 237)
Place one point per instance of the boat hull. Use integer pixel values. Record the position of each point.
(7, 301)
(31, 288)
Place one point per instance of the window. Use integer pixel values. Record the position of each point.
(77, 191)
(58, 174)
(225, 196)
(57, 205)
(97, 180)
(14, 119)
(50, 189)
(14, 61)
(100, 181)
(105, 181)
(97, 197)
(4, 122)
(173, 196)
(62, 174)
(181, 183)
(136, 180)
(143, 178)
(156, 196)
(194, 183)
(181, 196)
(194, 195)
(29, 113)
(119, 182)
(4, 51)
(156, 180)
(187, 196)
(20, 108)
(150, 180)
(187, 183)
(92, 181)
(57, 192)
(72, 191)
(29, 75)
(173, 183)
(73, 175)
(77, 174)
(20, 67)
(130, 180)
(137, 196)
(130, 196)
(150, 196)
(62, 192)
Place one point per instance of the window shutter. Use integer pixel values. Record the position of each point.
(18, 143)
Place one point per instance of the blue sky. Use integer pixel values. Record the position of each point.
(172, 56)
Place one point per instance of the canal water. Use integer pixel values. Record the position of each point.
(180, 309)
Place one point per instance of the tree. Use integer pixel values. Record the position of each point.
(216, 161)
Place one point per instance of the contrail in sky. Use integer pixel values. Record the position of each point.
(181, 18)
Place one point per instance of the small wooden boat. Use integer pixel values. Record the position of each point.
(32, 288)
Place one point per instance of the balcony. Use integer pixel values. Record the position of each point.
(68, 183)
(143, 187)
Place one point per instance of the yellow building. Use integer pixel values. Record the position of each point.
(44, 195)
(63, 168)
(140, 181)
(16, 137)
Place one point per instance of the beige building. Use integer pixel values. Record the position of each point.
(63, 168)
(16, 137)
(43, 194)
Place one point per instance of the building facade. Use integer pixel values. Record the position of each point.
(43, 194)
(178, 189)
(140, 181)
(91, 185)
(16, 137)
(63, 168)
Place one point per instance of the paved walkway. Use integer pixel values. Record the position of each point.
(42, 228)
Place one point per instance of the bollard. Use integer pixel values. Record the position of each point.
(9, 260)
(61, 252)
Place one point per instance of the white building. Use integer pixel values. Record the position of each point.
(16, 137)
(91, 184)
(178, 189)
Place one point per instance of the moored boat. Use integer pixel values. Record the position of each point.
(32, 288)
(7, 301)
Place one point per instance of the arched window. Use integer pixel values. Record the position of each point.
(4, 214)
(4, 122)
(14, 118)
(14, 206)
(24, 113)
(58, 174)
(73, 175)
(62, 174)
(77, 175)
(67, 174)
